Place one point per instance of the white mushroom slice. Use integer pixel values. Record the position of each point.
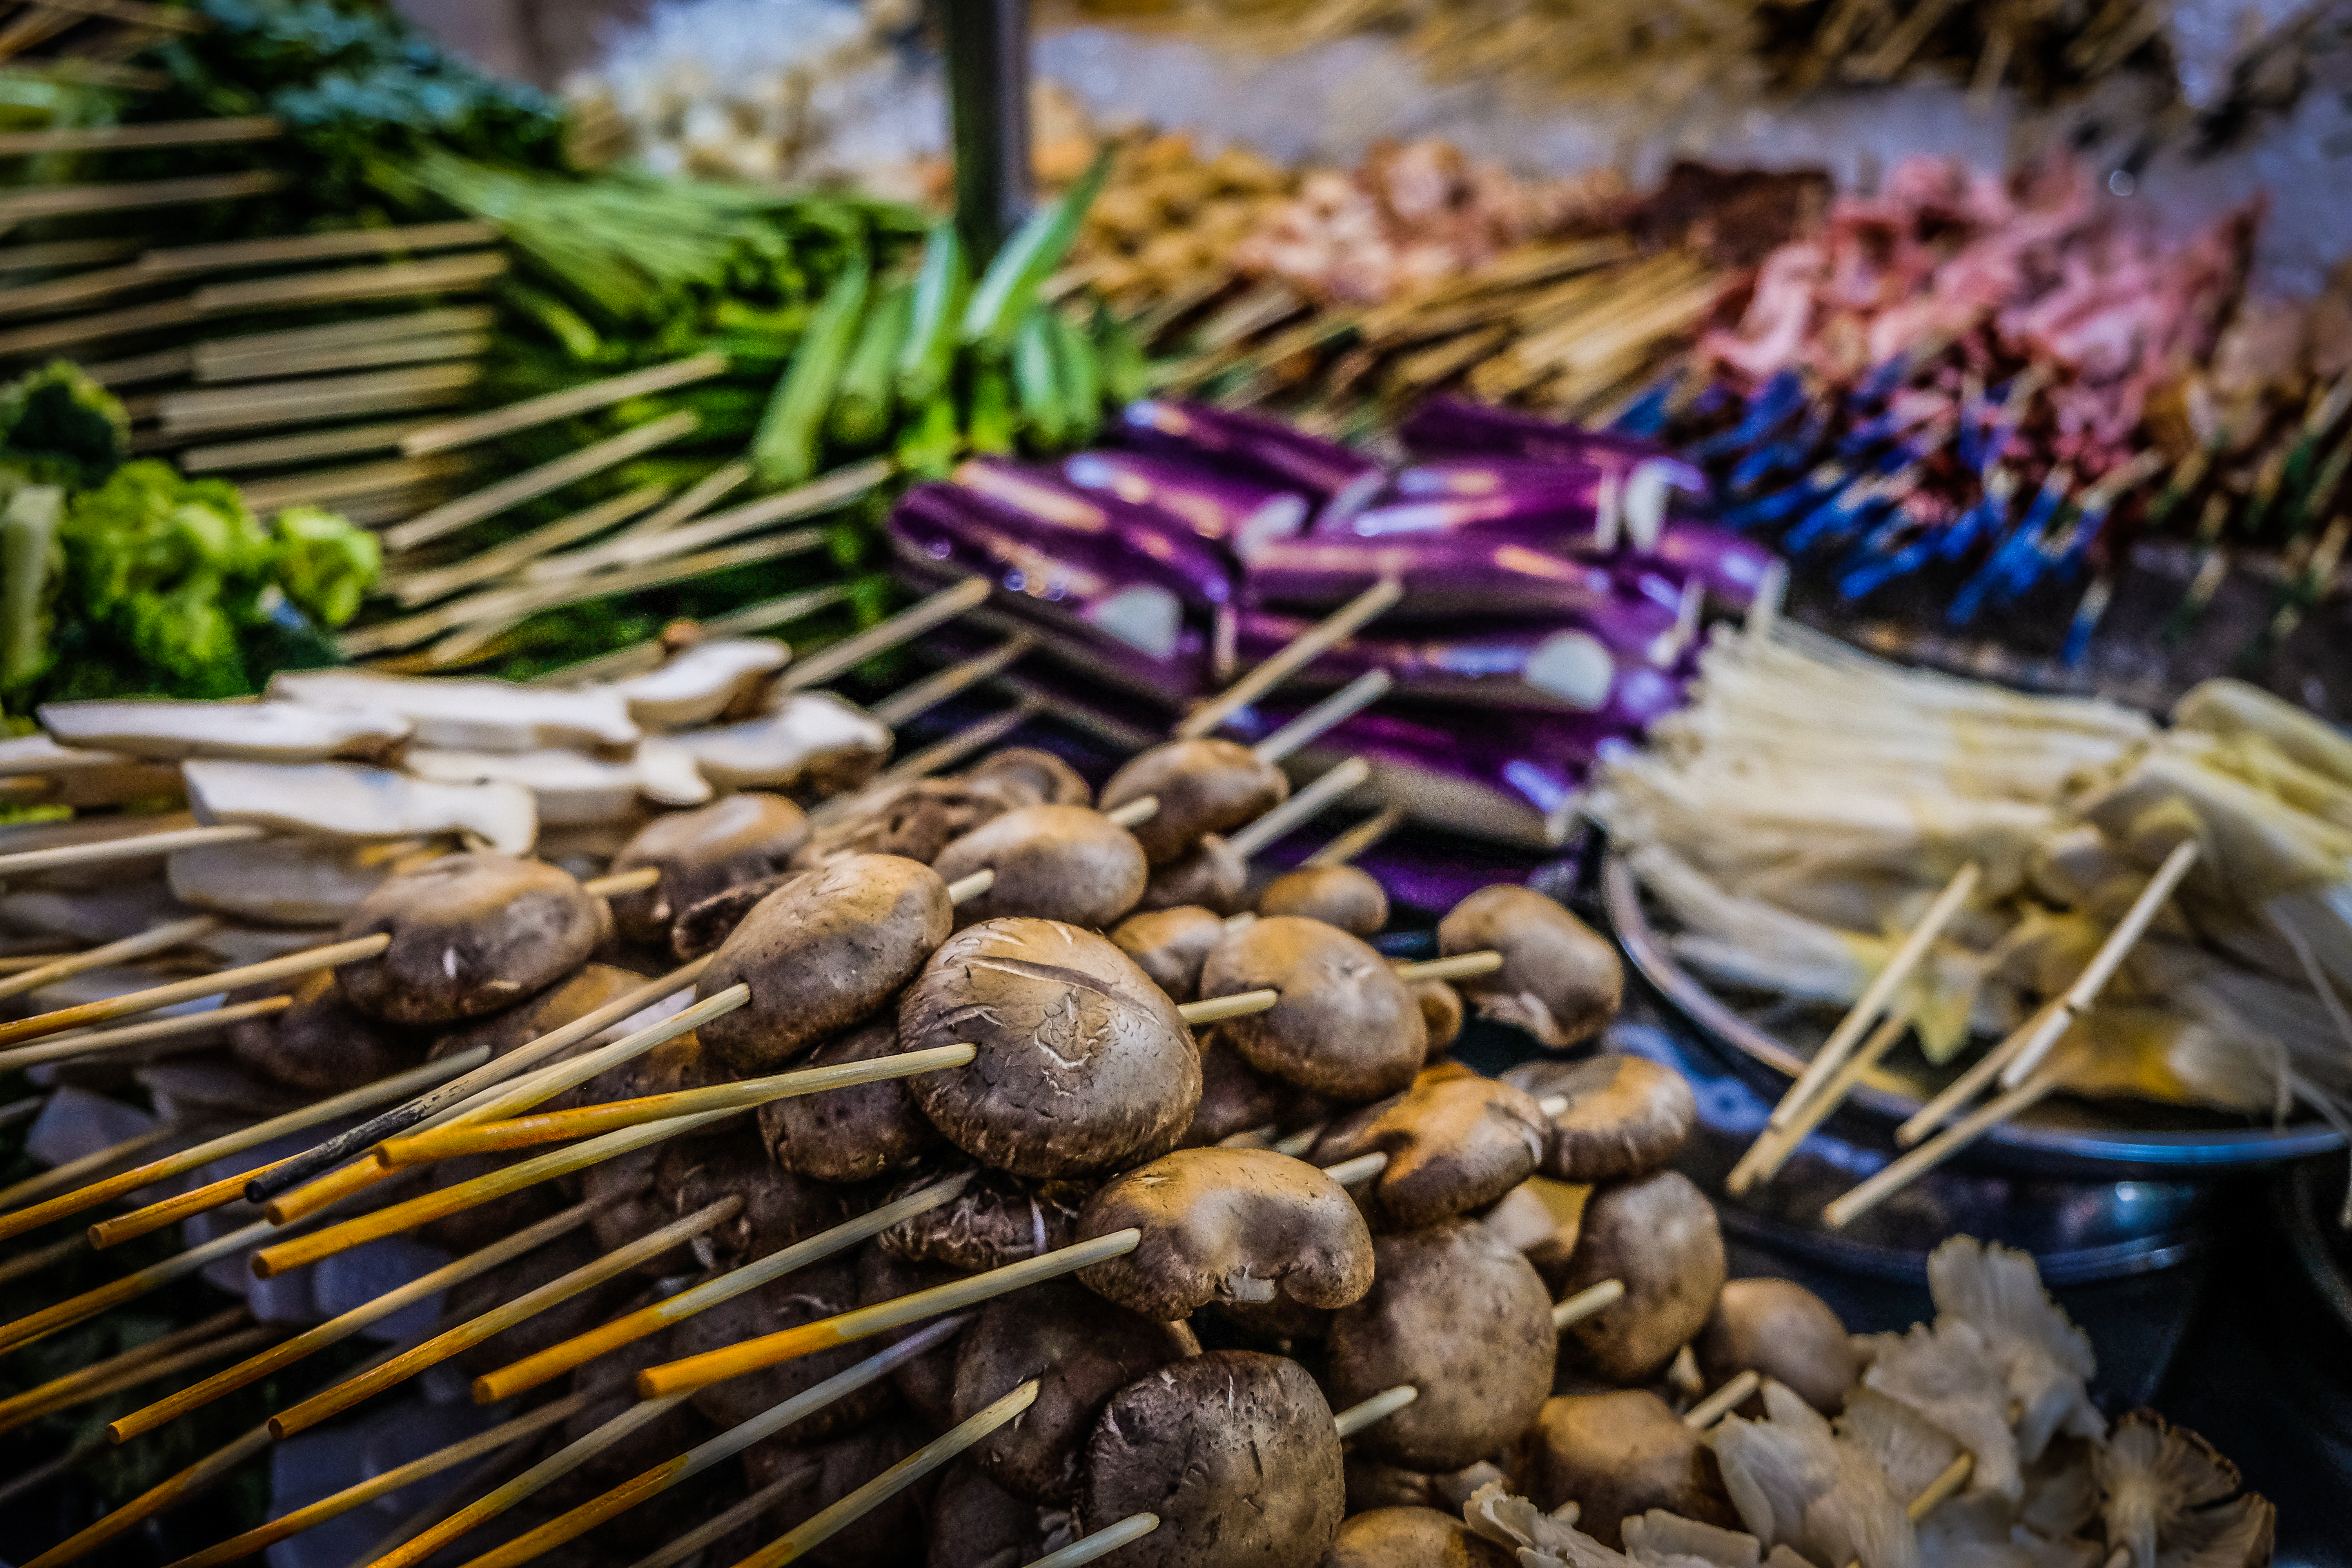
(338, 800)
(169, 730)
(703, 682)
(667, 774)
(25, 754)
(571, 790)
(284, 881)
(812, 737)
(36, 770)
(473, 715)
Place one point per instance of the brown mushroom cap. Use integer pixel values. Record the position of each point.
(1371, 1485)
(1081, 1352)
(470, 934)
(805, 1295)
(704, 927)
(1455, 1144)
(1345, 1027)
(1342, 896)
(852, 1134)
(1207, 873)
(821, 952)
(1783, 1330)
(1453, 1311)
(1046, 778)
(1625, 1115)
(738, 839)
(1228, 1225)
(1170, 946)
(1202, 787)
(779, 1208)
(1052, 862)
(576, 995)
(1441, 1012)
(1234, 1096)
(928, 1382)
(916, 819)
(1658, 1235)
(1412, 1538)
(321, 1044)
(975, 1524)
(891, 1536)
(1560, 982)
(623, 1204)
(997, 1220)
(1236, 1454)
(1083, 1063)
(1617, 1455)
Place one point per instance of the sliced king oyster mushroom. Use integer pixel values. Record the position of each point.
(285, 881)
(704, 682)
(338, 800)
(812, 737)
(170, 730)
(573, 790)
(473, 715)
(42, 772)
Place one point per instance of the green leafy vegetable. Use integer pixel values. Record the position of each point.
(785, 451)
(941, 289)
(60, 427)
(862, 405)
(325, 565)
(1010, 285)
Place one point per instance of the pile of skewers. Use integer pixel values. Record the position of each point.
(1139, 1295)
(2134, 914)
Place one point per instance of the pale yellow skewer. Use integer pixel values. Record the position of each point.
(178, 991)
(1101, 1542)
(33, 1188)
(1771, 1150)
(1722, 1402)
(1586, 1301)
(1901, 1172)
(2103, 965)
(1326, 790)
(1349, 700)
(131, 845)
(1304, 649)
(1379, 1407)
(532, 483)
(161, 938)
(561, 405)
(52, 1394)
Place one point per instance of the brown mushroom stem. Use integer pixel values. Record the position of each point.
(1586, 1303)
(1299, 808)
(577, 1522)
(1101, 1544)
(557, 1359)
(1458, 966)
(1362, 1168)
(1874, 998)
(1302, 650)
(1380, 1406)
(1722, 1402)
(1341, 705)
(892, 1481)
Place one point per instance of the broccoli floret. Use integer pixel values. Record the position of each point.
(325, 565)
(60, 427)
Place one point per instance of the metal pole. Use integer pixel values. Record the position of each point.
(988, 93)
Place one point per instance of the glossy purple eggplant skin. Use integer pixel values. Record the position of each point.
(1056, 510)
(1624, 681)
(1444, 575)
(1080, 591)
(1215, 503)
(1248, 446)
(1449, 427)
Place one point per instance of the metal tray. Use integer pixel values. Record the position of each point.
(2063, 1138)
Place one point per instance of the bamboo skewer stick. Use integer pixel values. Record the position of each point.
(948, 752)
(1379, 1407)
(1771, 1150)
(249, 348)
(518, 1377)
(1211, 1009)
(799, 1542)
(129, 846)
(33, 1401)
(1586, 1301)
(170, 1211)
(327, 1109)
(682, 1377)
(97, 326)
(635, 548)
(1900, 1173)
(158, 1367)
(339, 1327)
(1722, 1402)
(178, 991)
(562, 405)
(1947, 1485)
(40, 1259)
(182, 260)
(555, 1126)
(1101, 1544)
(65, 253)
(671, 1473)
(453, 1341)
(1875, 997)
(1326, 790)
(78, 1043)
(928, 693)
(89, 1303)
(705, 492)
(314, 400)
(59, 200)
(1970, 1083)
(532, 483)
(336, 1504)
(912, 622)
(451, 1096)
(160, 939)
(1345, 703)
(461, 273)
(1348, 845)
(1311, 645)
(726, 1524)
(2103, 963)
(1459, 967)
(425, 587)
(36, 1187)
(214, 368)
